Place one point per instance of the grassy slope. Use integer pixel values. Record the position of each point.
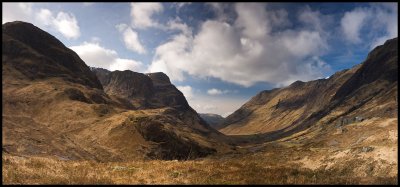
(293, 160)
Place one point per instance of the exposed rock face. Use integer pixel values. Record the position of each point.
(366, 90)
(128, 84)
(152, 90)
(212, 119)
(55, 106)
(159, 78)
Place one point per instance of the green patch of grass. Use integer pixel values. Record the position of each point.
(175, 174)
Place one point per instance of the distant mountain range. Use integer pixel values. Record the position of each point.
(213, 119)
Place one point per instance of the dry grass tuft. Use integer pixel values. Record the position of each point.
(247, 170)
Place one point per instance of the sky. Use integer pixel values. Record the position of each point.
(219, 55)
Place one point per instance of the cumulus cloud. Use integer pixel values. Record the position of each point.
(142, 13)
(386, 18)
(216, 105)
(247, 50)
(252, 20)
(210, 104)
(224, 11)
(131, 39)
(64, 23)
(352, 23)
(178, 6)
(16, 11)
(215, 91)
(95, 55)
(187, 91)
(373, 24)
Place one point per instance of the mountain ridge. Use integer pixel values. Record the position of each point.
(302, 103)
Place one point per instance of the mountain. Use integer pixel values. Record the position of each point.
(152, 91)
(212, 119)
(55, 106)
(365, 91)
(25, 44)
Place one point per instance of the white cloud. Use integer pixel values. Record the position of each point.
(67, 25)
(126, 64)
(352, 22)
(16, 11)
(178, 6)
(386, 18)
(64, 23)
(142, 13)
(223, 11)
(298, 43)
(131, 39)
(45, 17)
(246, 51)
(279, 18)
(95, 55)
(210, 104)
(176, 24)
(315, 20)
(95, 39)
(215, 91)
(88, 4)
(252, 18)
(187, 91)
(380, 19)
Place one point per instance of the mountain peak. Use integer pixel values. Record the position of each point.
(159, 78)
(37, 54)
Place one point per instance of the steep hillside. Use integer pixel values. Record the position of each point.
(366, 90)
(277, 109)
(55, 106)
(24, 45)
(153, 91)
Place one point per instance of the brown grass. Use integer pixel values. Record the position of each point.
(248, 170)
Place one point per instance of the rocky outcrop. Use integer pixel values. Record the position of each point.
(159, 78)
(152, 90)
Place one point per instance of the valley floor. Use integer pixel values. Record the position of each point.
(362, 158)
